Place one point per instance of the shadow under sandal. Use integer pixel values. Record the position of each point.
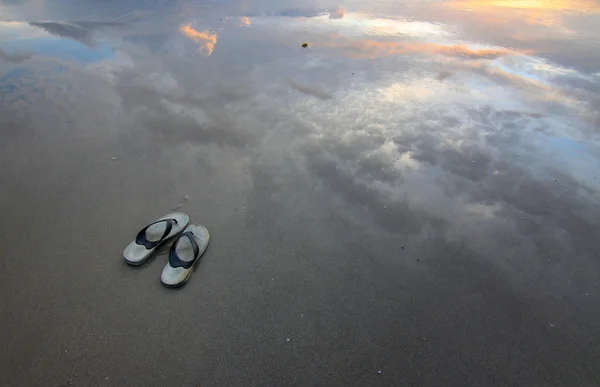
(184, 254)
(153, 235)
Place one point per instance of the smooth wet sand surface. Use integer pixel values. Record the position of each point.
(382, 210)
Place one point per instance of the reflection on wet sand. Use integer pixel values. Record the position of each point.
(20, 40)
(372, 49)
(205, 40)
(580, 6)
(14, 58)
(547, 13)
(338, 13)
(421, 173)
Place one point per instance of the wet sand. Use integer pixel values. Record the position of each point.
(370, 225)
(283, 296)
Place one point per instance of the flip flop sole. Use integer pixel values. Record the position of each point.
(205, 242)
(136, 254)
(175, 286)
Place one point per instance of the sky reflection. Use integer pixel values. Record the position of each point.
(436, 150)
(23, 40)
(378, 109)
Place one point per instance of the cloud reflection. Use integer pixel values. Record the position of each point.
(205, 40)
(338, 13)
(585, 6)
(398, 149)
(309, 90)
(548, 13)
(14, 58)
(72, 31)
(372, 49)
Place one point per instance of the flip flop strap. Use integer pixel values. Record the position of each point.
(141, 239)
(174, 259)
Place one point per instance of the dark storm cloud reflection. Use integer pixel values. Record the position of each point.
(72, 31)
(79, 31)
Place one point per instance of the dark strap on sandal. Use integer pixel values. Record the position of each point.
(174, 259)
(141, 239)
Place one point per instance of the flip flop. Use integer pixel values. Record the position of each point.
(153, 235)
(184, 254)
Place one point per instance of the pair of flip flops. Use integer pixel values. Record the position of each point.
(188, 246)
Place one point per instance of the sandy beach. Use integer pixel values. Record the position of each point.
(383, 209)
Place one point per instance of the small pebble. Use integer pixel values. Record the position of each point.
(288, 339)
(552, 326)
(186, 198)
(379, 372)
(113, 158)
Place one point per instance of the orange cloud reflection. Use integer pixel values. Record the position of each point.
(205, 40)
(244, 21)
(372, 49)
(584, 6)
(541, 12)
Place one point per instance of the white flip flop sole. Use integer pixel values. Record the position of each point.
(154, 235)
(184, 254)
